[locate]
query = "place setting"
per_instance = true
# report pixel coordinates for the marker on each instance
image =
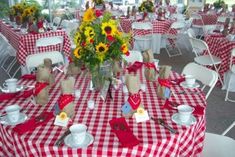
(190, 82)
(13, 115)
(11, 86)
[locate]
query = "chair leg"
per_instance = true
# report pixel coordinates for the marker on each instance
(227, 92)
(229, 128)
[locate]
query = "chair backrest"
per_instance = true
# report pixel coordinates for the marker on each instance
(219, 145)
(34, 60)
(196, 16)
(178, 25)
(231, 65)
(142, 25)
(208, 29)
(64, 23)
(198, 46)
(56, 21)
(133, 56)
(49, 41)
(206, 76)
(191, 33)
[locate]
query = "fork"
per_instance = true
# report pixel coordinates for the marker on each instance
(162, 122)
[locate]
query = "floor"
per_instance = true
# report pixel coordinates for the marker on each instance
(219, 114)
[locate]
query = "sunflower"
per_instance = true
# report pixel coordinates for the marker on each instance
(76, 52)
(89, 32)
(63, 116)
(89, 15)
(77, 38)
(124, 48)
(101, 48)
(108, 28)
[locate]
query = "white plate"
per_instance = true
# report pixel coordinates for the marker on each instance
(88, 140)
(4, 120)
(185, 85)
(18, 88)
(175, 118)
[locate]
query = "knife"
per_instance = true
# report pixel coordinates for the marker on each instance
(61, 139)
(162, 123)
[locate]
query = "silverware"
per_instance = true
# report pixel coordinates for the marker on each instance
(60, 141)
(162, 123)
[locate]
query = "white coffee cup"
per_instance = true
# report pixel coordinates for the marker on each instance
(13, 113)
(91, 104)
(77, 93)
(78, 133)
(185, 112)
(10, 84)
(190, 80)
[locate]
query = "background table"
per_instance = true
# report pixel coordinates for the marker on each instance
(25, 43)
(155, 139)
(208, 19)
(221, 47)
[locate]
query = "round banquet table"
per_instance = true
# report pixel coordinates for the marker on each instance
(160, 27)
(154, 139)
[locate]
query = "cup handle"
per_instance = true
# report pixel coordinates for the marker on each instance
(4, 85)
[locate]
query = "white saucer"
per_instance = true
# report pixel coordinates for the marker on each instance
(185, 85)
(4, 120)
(18, 88)
(88, 140)
(175, 118)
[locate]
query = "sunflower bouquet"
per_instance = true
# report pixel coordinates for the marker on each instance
(99, 41)
(146, 6)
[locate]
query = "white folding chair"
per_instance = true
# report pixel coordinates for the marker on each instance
(232, 71)
(191, 33)
(133, 56)
(197, 17)
(172, 47)
(206, 76)
(64, 23)
(219, 145)
(199, 47)
(142, 42)
(56, 21)
(32, 61)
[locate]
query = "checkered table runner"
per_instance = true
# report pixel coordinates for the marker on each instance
(155, 139)
(25, 43)
(221, 47)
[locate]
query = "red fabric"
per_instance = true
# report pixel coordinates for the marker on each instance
(199, 110)
(65, 100)
(150, 65)
(134, 100)
(169, 105)
(122, 131)
(134, 67)
(164, 82)
(33, 123)
(29, 76)
(39, 86)
(177, 81)
(40, 24)
(7, 96)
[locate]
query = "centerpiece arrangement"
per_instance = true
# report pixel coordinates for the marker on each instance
(22, 12)
(99, 44)
(146, 6)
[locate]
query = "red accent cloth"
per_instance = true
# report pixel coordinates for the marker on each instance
(199, 110)
(33, 123)
(64, 100)
(7, 96)
(134, 67)
(40, 24)
(169, 105)
(177, 81)
(39, 86)
(29, 76)
(150, 65)
(134, 100)
(164, 82)
(122, 131)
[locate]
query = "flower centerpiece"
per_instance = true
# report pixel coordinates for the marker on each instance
(23, 11)
(218, 4)
(99, 44)
(146, 6)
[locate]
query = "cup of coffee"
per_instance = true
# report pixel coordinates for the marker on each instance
(13, 113)
(190, 80)
(185, 112)
(91, 104)
(78, 133)
(10, 84)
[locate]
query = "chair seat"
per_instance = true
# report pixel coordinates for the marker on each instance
(218, 146)
(143, 37)
(197, 26)
(206, 60)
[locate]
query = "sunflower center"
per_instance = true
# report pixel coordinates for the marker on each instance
(108, 29)
(101, 49)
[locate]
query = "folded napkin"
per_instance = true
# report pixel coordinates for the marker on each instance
(29, 77)
(7, 96)
(170, 105)
(124, 134)
(33, 123)
(198, 110)
(177, 81)
(25, 94)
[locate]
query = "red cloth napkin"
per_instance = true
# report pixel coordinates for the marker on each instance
(124, 134)
(7, 96)
(169, 105)
(177, 81)
(29, 76)
(33, 123)
(134, 67)
(198, 110)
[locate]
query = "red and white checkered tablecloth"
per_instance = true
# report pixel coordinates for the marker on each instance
(156, 141)
(208, 19)
(221, 47)
(25, 43)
